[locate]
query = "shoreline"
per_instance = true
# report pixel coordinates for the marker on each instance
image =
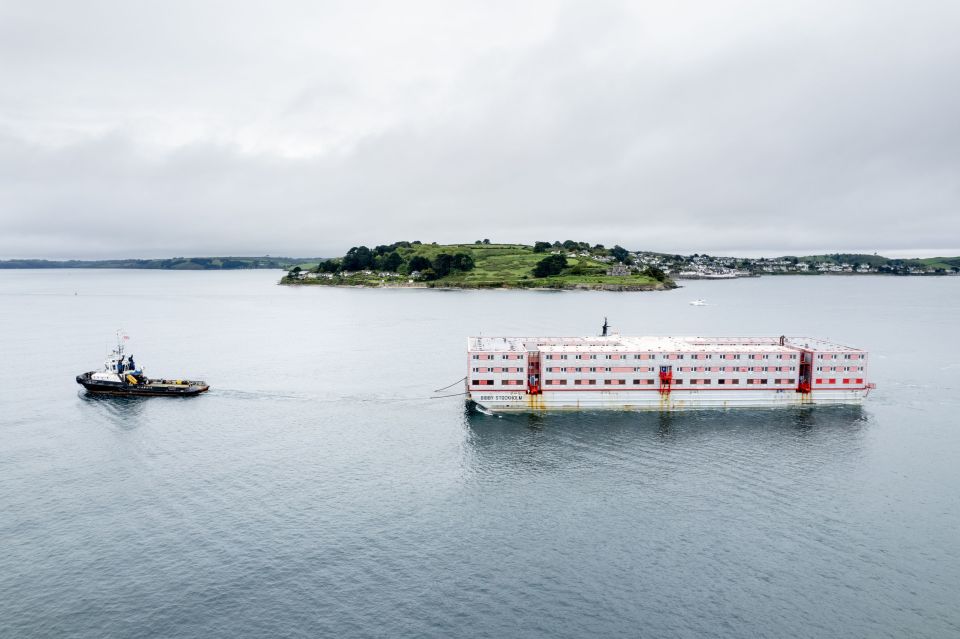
(622, 288)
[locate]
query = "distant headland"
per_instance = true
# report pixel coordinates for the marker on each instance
(170, 264)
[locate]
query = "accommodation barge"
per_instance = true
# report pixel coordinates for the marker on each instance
(661, 373)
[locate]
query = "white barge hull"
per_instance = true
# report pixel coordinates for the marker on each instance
(654, 401)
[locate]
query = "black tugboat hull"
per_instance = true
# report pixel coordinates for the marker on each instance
(149, 388)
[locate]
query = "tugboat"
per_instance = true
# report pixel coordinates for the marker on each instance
(121, 376)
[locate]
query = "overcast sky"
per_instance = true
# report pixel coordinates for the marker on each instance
(135, 129)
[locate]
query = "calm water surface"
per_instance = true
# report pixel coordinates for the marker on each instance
(317, 491)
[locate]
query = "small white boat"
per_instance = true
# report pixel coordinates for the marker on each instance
(698, 303)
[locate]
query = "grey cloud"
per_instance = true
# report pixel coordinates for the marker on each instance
(683, 128)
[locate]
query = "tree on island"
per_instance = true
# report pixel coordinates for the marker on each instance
(358, 258)
(329, 266)
(655, 273)
(550, 265)
(444, 263)
(391, 262)
(462, 262)
(418, 263)
(621, 254)
(541, 247)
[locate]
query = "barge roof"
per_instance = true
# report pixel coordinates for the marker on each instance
(618, 343)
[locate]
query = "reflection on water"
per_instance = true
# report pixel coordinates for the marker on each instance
(123, 412)
(531, 442)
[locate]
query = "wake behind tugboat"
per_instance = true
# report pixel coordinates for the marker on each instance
(121, 376)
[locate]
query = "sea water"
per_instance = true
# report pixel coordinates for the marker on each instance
(321, 490)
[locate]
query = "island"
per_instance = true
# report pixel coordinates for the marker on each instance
(484, 265)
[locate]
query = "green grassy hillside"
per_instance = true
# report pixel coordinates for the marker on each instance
(946, 263)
